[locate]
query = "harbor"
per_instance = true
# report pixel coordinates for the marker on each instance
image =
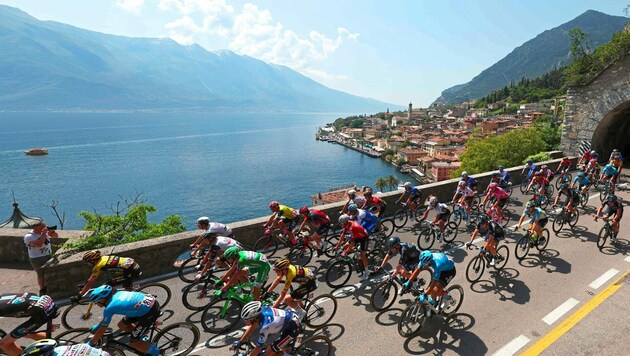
(328, 133)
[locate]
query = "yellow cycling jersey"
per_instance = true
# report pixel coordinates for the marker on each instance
(616, 163)
(298, 275)
(112, 264)
(286, 212)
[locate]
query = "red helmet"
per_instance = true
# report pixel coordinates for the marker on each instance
(274, 205)
(304, 210)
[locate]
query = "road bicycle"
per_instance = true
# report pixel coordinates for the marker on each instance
(524, 184)
(188, 268)
(319, 310)
(459, 214)
(82, 315)
(405, 213)
(565, 217)
(386, 291)
(196, 296)
(341, 270)
(606, 232)
(540, 201)
(317, 345)
(482, 260)
(269, 243)
(530, 240)
(494, 216)
(432, 232)
(563, 177)
(414, 316)
(605, 191)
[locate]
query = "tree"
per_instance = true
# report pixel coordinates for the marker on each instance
(392, 182)
(381, 183)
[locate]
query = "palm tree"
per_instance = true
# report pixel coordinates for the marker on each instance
(392, 182)
(381, 183)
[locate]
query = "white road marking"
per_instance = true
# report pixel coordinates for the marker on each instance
(560, 311)
(512, 347)
(603, 279)
(627, 259)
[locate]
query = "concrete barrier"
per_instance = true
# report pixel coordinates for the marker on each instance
(156, 256)
(13, 250)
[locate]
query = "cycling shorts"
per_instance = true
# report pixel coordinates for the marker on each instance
(304, 289)
(290, 331)
(543, 222)
(362, 243)
(446, 277)
(143, 323)
(444, 216)
(503, 201)
(261, 274)
(128, 276)
(323, 229)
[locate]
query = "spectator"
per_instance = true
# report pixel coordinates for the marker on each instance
(39, 250)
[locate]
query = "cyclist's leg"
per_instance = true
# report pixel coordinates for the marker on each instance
(142, 325)
(261, 278)
(491, 245)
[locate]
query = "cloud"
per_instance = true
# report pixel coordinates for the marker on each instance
(131, 6)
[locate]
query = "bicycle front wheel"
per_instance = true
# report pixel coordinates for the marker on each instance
(266, 245)
(177, 339)
(160, 291)
(426, 238)
(186, 271)
(197, 296)
(456, 293)
(300, 255)
(573, 218)
(332, 241)
(320, 311)
(82, 315)
(338, 274)
(400, 218)
(450, 232)
(384, 295)
(522, 247)
(602, 237)
(221, 315)
(475, 268)
(411, 320)
(315, 346)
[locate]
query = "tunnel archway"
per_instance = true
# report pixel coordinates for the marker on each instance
(613, 131)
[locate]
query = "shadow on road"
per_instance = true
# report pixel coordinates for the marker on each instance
(505, 285)
(439, 335)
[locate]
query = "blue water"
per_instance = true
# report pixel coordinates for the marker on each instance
(226, 166)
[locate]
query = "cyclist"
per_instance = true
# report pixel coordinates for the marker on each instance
(443, 272)
(470, 181)
(466, 196)
(243, 263)
(353, 198)
(366, 219)
(320, 221)
(409, 258)
(271, 321)
(48, 347)
(304, 277)
(115, 265)
(441, 214)
(415, 194)
(613, 207)
(587, 156)
(531, 168)
(573, 197)
(203, 223)
(356, 234)
(217, 246)
(565, 166)
(140, 312)
(542, 181)
(615, 154)
(583, 183)
(618, 164)
(284, 217)
(504, 177)
(537, 222)
(609, 173)
(544, 170)
(375, 204)
(39, 309)
(593, 169)
(501, 198)
(492, 234)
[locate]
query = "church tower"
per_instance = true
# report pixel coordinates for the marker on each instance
(409, 112)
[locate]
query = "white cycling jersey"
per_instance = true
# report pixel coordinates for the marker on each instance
(79, 350)
(466, 191)
(219, 229)
(224, 243)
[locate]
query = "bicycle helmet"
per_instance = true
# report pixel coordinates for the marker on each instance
(530, 161)
(304, 210)
(615, 150)
(274, 205)
(44, 347)
(461, 183)
(433, 200)
(359, 200)
(493, 186)
(483, 219)
(231, 252)
(611, 198)
(580, 174)
(204, 220)
(352, 192)
(368, 193)
(530, 204)
(425, 258)
(593, 152)
(464, 174)
(282, 264)
(99, 293)
(367, 190)
(91, 255)
(564, 186)
(407, 185)
(393, 242)
(251, 310)
(352, 208)
(343, 219)
(501, 167)
(208, 235)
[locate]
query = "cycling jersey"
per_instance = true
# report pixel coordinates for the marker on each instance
(223, 243)
(565, 165)
(375, 201)
(440, 208)
(572, 194)
(609, 171)
(297, 274)
(616, 163)
(79, 350)
(542, 180)
(470, 182)
(616, 156)
(499, 193)
(493, 229)
(317, 218)
(582, 181)
(440, 264)
(113, 264)
(219, 229)
(256, 263)
(505, 176)
(38, 309)
(413, 192)
(128, 304)
(273, 321)
(537, 214)
(465, 191)
(612, 206)
(532, 168)
(409, 254)
(548, 173)
(355, 231)
(286, 212)
(366, 219)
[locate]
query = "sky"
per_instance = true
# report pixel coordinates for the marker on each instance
(396, 51)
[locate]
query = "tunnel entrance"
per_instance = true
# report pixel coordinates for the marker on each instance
(613, 132)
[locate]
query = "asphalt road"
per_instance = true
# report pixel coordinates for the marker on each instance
(504, 313)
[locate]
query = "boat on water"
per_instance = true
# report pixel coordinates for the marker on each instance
(36, 151)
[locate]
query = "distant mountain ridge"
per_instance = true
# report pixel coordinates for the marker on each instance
(47, 65)
(537, 56)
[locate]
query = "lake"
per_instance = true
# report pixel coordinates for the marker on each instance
(223, 165)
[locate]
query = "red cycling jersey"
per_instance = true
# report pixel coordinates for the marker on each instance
(541, 180)
(355, 230)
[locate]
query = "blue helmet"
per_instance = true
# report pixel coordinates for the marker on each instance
(100, 293)
(353, 207)
(425, 258)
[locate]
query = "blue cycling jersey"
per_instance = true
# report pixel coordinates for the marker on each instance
(581, 181)
(505, 176)
(441, 263)
(609, 170)
(533, 168)
(272, 321)
(414, 191)
(131, 304)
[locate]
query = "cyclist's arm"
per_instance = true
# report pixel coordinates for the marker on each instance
(271, 222)
(197, 241)
(454, 196)
(425, 214)
(555, 201)
(232, 272)
(208, 260)
(341, 238)
(474, 235)
(302, 225)
(245, 337)
(520, 221)
(386, 259)
(96, 271)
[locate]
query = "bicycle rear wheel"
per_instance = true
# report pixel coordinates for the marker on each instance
(573, 218)
(338, 274)
(177, 339)
(160, 291)
(300, 255)
(457, 298)
(318, 345)
(320, 311)
(475, 268)
(221, 315)
(523, 186)
(332, 241)
(82, 315)
(411, 320)
(602, 237)
(384, 295)
(266, 245)
(186, 271)
(558, 222)
(387, 227)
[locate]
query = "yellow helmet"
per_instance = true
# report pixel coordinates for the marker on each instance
(91, 255)
(282, 264)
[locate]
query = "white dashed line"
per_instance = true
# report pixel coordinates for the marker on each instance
(512, 347)
(560, 311)
(603, 279)
(627, 259)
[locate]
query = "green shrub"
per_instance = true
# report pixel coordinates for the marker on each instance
(539, 157)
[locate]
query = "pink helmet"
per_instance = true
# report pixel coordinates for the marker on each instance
(492, 186)
(274, 204)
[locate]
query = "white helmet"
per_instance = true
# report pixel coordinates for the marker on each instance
(407, 185)
(359, 200)
(251, 310)
(461, 183)
(352, 192)
(433, 200)
(343, 218)
(203, 220)
(464, 174)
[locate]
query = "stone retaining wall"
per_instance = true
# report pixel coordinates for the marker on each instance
(156, 256)
(13, 250)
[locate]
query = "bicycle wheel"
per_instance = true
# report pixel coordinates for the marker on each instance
(387, 227)
(456, 217)
(543, 201)
(221, 315)
(543, 240)
(400, 218)
(73, 336)
(424, 278)
(450, 232)
(384, 295)
(475, 268)
(583, 199)
(82, 315)
(332, 241)
(523, 186)
(177, 339)
(113, 350)
(522, 247)
(549, 192)
(197, 296)
(509, 190)
(602, 237)
(558, 222)
(457, 298)
(604, 193)
(474, 205)
(375, 257)
(411, 320)
(300, 255)
(426, 239)
(338, 273)
(267, 245)
(160, 291)
(573, 218)
(503, 254)
(186, 271)
(315, 346)
(320, 311)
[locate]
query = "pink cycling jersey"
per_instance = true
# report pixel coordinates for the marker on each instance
(500, 193)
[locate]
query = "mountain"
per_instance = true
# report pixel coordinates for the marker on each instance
(52, 66)
(537, 56)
